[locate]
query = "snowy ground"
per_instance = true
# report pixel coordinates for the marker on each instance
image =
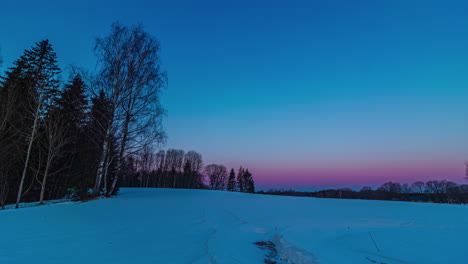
(192, 226)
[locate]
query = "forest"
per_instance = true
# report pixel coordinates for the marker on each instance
(85, 136)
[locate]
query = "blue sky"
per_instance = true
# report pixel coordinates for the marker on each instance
(301, 92)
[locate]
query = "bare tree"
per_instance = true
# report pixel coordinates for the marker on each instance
(217, 175)
(174, 163)
(434, 187)
(406, 188)
(439, 189)
(130, 75)
(56, 138)
(392, 187)
(161, 161)
(418, 187)
(466, 170)
(196, 164)
(145, 163)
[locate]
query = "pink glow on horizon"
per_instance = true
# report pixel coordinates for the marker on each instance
(374, 174)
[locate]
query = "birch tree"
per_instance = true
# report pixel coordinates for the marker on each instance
(56, 138)
(130, 76)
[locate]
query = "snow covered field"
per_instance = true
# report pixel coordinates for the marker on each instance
(196, 226)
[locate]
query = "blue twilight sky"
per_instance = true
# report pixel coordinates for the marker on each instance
(304, 93)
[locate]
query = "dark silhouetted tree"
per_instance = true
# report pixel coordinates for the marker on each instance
(130, 75)
(391, 187)
(418, 187)
(231, 185)
(217, 174)
(40, 72)
(241, 180)
(196, 164)
(249, 182)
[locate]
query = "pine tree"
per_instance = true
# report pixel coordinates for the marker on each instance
(73, 103)
(249, 182)
(40, 72)
(240, 180)
(231, 186)
(92, 126)
(74, 108)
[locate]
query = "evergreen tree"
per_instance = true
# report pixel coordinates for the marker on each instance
(249, 182)
(91, 127)
(231, 185)
(74, 104)
(39, 72)
(240, 180)
(74, 108)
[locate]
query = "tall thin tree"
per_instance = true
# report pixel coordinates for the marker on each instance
(41, 72)
(130, 75)
(231, 185)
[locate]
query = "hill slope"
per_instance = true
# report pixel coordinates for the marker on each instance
(196, 226)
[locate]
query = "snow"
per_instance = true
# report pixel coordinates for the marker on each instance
(198, 226)
(32, 204)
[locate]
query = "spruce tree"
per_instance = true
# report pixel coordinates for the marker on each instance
(231, 185)
(249, 182)
(74, 108)
(40, 75)
(74, 104)
(240, 180)
(91, 129)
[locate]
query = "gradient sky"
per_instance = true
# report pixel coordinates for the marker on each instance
(304, 93)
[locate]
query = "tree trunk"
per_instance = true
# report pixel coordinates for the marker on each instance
(28, 154)
(102, 163)
(44, 180)
(121, 161)
(106, 170)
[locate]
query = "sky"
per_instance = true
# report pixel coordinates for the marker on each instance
(306, 94)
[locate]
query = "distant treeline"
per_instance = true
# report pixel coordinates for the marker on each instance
(430, 191)
(176, 168)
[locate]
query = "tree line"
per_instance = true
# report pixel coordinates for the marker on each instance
(430, 191)
(73, 138)
(86, 136)
(175, 168)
